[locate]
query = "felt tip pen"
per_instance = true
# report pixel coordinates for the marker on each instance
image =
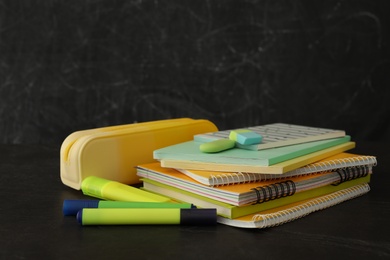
(111, 190)
(71, 207)
(148, 216)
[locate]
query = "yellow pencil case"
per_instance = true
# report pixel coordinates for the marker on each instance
(113, 152)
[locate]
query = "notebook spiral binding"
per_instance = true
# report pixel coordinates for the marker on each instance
(352, 173)
(274, 191)
(236, 178)
(314, 168)
(321, 167)
(287, 215)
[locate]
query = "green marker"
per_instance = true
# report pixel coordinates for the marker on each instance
(147, 216)
(71, 207)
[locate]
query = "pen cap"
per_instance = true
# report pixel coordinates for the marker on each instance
(198, 216)
(71, 207)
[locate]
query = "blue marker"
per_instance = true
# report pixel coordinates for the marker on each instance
(71, 207)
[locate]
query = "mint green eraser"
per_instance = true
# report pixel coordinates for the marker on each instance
(245, 137)
(217, 146)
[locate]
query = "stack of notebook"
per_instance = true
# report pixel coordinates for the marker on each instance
(292, 172)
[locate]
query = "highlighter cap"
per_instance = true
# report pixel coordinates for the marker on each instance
(93, 186)
(71, 207)
(198, 216)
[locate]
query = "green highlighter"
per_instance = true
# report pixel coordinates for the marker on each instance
(147, 216)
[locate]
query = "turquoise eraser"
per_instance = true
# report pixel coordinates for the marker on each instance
(217, 146)
(245, 137)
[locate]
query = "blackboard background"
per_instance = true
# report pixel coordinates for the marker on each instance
(72, 65)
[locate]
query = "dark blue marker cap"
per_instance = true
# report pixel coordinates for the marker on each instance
(71, 207)
(198, 216)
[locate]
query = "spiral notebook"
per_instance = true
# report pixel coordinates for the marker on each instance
(277, 135)
(230, 211)
(247, 193)
(290, 212)
(332, 163)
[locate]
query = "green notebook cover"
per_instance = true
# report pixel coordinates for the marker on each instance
(189, 151)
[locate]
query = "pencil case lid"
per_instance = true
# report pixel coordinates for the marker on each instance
(113, 152)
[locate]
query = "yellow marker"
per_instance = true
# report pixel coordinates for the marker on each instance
(112, 190)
